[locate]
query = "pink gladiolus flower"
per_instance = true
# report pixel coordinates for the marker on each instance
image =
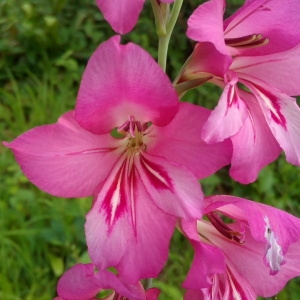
(254, 254)
(132, 145)
(84, 282)
(258, 47)
(122, 15)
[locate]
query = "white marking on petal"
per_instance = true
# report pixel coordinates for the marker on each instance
(235, 294)
(156, 174)
(274, 257)
(116, 198)
(270, 106)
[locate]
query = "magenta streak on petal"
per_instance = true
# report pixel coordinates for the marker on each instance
(274, 106)
(91, 151)
(132, 179)
(114, 202)
(233, 97)
(157, 175)
(236, 291)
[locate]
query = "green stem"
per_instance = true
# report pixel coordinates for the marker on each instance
(164, 30)
(148, 283)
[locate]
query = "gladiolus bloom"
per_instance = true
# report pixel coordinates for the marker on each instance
(132, 145)
(249, 50)
(243, 250)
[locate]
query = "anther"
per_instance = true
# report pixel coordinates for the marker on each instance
(248, 41)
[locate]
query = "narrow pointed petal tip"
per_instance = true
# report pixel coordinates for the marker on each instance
(121, 15)
(121, 81)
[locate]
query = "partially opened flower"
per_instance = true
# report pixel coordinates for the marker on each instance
(135, 148)
(254, 48)
(84, 282)
(122, 15)
(243, 250)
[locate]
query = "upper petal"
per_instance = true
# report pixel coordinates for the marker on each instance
(276, 20)
(122, 81)
(121, 15)
(63, 158)
(180, 142)
(206, 24)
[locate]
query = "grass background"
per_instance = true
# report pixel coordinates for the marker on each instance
(44, 48)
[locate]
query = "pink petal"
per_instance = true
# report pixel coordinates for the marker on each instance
(121, 15)
(173, 188)
(208, 260)
(254, 146)
(148, 249)
(183, 134)
(79, 283)
(214, 63)
(206, 24)
(279, 70)
(121, 81)
(152, 294)
(227, 118)
(276, 20)
(83, 282)
(63, 158)
(283, 117)
(122, 228)
(107, 229)
(194, 295)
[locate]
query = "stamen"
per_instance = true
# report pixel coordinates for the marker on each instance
(224, 229)
(134, 131)
(248, 41)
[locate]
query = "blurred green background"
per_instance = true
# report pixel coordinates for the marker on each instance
(44, 48)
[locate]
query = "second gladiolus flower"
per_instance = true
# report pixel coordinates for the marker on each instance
(254, 57)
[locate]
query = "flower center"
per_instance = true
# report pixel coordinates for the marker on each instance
(134, 132)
